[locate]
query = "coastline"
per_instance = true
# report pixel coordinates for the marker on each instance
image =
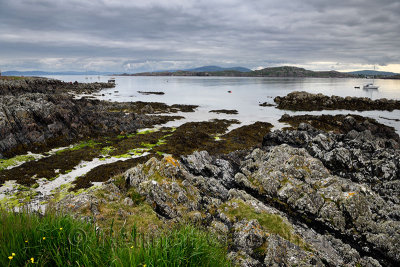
(314, 180)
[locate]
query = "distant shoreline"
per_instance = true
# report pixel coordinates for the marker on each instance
(275, 72)
(214, 71)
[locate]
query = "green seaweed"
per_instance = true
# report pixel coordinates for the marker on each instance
(5, 163)
(107, 150)
(89, 143)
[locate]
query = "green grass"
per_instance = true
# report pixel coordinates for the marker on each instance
(60, 240)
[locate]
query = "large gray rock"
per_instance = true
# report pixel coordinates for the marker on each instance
(301, 184)
(363, 157)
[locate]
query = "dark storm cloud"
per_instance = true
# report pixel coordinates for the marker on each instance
(147, 35)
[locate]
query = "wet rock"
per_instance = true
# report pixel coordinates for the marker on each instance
(39, 114)
(307, 102)
(147, 109)
(225, 111)
(47, 86)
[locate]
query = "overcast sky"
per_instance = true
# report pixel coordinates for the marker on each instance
(132, 36)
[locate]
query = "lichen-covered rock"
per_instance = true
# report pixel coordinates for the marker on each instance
(248, 235)
(201, 163)
(299, 183)
(162, 185)
(240, 258)
(368, 156)
(280, 252)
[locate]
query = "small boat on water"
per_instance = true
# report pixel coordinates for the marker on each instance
(370, 86)
(111, 80)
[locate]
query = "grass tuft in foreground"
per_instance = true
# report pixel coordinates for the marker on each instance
(61, 240)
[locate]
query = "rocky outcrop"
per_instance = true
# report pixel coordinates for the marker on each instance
(308, 102)
(48, 86)
(364, 156)
(39, 114)
(293, 181)
(342, 124)
(279, 207)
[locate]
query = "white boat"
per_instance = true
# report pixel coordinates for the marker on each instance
(370, 86)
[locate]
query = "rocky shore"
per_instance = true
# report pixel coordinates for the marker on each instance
(322, 192)
(306, 197)
(38, 114)
(304, 101)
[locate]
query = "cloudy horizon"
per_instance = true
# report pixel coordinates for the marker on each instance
(135, 36)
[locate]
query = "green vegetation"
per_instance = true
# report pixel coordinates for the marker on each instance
(19, 198)
(89, 143)
(107, 150)
(5, 163)
(59, 240)
(184, 140)
(273, 223)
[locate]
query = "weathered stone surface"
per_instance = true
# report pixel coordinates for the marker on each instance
(248, 235)
(160, 183)
(363, 156)
(201, 163)
(47, 86)
(40, 114)
(296, 182)
(308, 102)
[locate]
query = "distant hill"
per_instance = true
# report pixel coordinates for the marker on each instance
(207, 69)
(217, 68)
(285, 71)
(43, 73)
(289, 71)
(373, 73)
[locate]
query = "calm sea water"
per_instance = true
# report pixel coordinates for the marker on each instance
(246, 94)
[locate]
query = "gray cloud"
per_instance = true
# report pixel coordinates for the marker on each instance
(120, 35)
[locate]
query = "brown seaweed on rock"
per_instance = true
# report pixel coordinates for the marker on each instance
(342, 124)
(304, 101)
(209, 136)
